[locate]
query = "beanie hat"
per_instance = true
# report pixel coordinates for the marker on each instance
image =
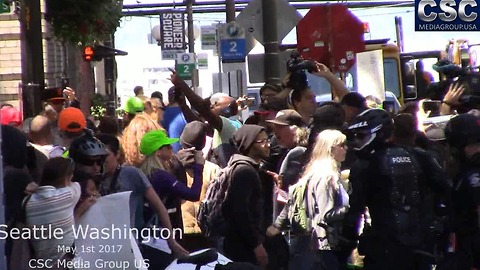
(71, 120)
(246, 136)
(10, 115)
(193, 135)
(153, 140)
(134, 105)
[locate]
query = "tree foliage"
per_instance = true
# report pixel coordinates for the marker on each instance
(83, 21)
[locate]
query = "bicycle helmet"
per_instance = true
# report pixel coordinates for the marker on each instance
(370, 129)
(85, 147)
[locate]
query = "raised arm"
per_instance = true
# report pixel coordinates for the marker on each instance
(197, 102)
(339, 88)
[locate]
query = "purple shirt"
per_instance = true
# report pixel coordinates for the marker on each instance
(165, 184)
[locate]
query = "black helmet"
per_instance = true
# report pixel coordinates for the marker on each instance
(85, 147)
(369, 129)
(463, 130)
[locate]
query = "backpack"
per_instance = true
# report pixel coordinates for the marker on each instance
(210, 218)
(298, 215)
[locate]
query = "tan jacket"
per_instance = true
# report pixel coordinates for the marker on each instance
(190, 209)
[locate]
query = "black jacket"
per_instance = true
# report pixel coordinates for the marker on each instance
(243, 206)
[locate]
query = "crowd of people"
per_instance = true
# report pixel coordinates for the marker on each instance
(337, 185)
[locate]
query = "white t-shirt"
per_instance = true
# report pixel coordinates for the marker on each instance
(53, 206)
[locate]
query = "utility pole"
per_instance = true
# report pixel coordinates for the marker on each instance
(191, 39)
(109, 70)
(270, 37)
(33, 79)
(230, 10)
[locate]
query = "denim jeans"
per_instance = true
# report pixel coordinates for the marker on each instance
(301, 255)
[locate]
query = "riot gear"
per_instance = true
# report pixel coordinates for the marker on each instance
(370, 130)
(463, 130)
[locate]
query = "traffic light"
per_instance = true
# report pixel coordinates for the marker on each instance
(89, 54)
(98, 52)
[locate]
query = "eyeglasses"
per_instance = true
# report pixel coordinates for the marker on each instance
(264, 141)
(91, 162)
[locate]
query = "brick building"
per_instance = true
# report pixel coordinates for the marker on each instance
(11, 57)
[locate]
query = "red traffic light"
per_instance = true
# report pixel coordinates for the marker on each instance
(88, 53)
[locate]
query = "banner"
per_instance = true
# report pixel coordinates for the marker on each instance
(172, 31)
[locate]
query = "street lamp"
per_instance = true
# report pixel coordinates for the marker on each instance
(156, 33)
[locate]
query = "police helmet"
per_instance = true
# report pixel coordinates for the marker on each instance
(369, 128)
(463, 130)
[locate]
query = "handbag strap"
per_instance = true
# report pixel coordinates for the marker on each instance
(23, 219)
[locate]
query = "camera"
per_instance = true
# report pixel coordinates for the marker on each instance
(296, 67)
(464, 76)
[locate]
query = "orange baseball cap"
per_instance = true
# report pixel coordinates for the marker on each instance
(71, 120)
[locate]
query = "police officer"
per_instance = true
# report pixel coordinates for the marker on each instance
(390, 181)
(463, 137)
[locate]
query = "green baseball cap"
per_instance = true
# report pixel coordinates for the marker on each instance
(134, 105)
(153, 140)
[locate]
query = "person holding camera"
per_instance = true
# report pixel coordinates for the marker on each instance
(301, 98)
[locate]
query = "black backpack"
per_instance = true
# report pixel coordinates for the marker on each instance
(210, 218)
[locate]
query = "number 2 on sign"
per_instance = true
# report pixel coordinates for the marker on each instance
(186, 69)
(233, 46)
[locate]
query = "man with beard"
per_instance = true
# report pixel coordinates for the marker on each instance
(243, 205)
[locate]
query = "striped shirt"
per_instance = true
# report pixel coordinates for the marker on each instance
(53, 206)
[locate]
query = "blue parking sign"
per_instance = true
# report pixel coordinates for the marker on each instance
(233, 50)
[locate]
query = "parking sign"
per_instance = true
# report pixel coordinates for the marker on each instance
(232, 43)
(185, 65)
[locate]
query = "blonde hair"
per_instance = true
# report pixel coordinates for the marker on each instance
(151, 163)
(301, 134)
(322, 159)
(132, 136)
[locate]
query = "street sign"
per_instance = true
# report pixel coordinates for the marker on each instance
(251, 18)
(172, 34)
(232, 43)
(332, 35)
(202, 59)
(185, 65)
(209, 37)
(4, 8)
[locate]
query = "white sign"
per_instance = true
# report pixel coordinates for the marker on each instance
(370, 77)
(186, 58)
(209, 36)
(202, 60)
(103, 239)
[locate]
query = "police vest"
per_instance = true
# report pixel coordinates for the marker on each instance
(399, 172)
